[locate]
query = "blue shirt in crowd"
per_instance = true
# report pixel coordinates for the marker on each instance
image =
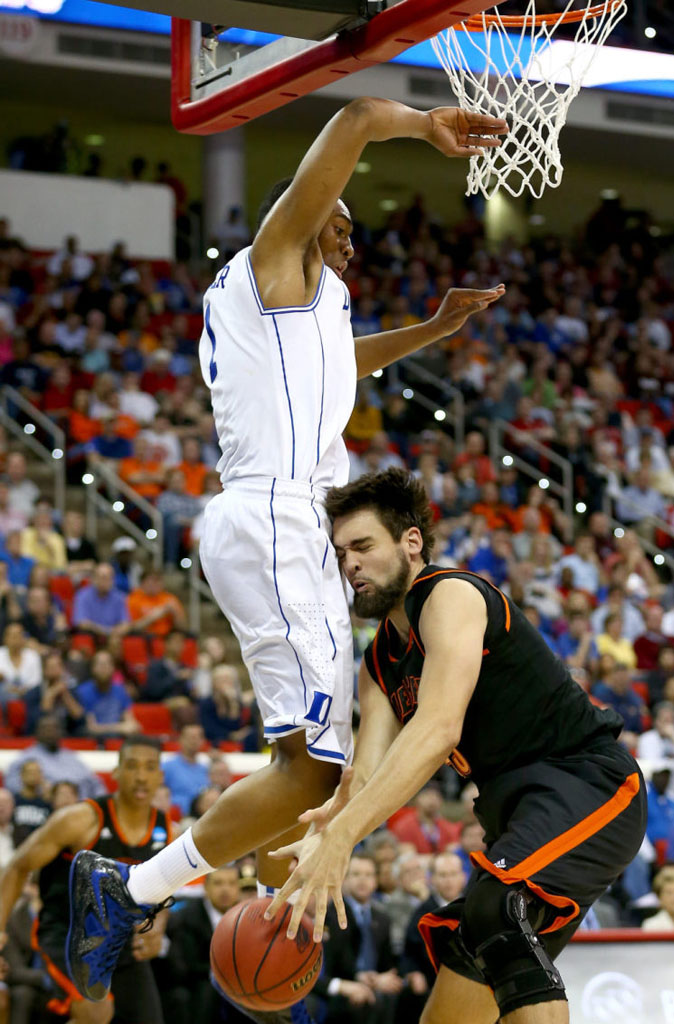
(628, 705)
(18, 569)
(185, 779)
(107, 706)
(106, 610)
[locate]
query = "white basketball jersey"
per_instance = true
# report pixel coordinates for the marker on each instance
(282, 380)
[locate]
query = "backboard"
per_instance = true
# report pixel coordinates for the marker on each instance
(211, 95)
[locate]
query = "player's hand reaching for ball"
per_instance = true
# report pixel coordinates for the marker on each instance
(322, 861)
(457, 132)
(461, 303)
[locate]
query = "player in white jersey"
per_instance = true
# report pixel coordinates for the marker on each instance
(280, 359)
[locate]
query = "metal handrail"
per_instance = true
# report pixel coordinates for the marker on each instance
(101, 472)
(455, 406)
(497, 449)
(646, 544)
(54, 458)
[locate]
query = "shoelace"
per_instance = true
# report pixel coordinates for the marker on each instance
(152, 913)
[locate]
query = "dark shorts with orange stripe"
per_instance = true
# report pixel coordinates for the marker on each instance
(564, 828)
(133, 986)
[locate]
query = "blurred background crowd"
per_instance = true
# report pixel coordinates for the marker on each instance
(572, 374)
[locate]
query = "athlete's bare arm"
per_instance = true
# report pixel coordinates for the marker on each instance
(71, 828)
(285, 254)
(452, 626)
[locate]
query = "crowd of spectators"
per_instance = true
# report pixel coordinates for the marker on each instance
(577, 357)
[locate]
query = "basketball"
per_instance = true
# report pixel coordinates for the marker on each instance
(256, 965)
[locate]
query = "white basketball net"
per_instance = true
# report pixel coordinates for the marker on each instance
(531, 80)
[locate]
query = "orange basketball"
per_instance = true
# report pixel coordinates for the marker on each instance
(256, 965)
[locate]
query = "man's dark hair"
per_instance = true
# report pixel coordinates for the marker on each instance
(140, 741)
(397, 498)
(274, 193)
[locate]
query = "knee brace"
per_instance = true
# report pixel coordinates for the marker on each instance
(496, 930)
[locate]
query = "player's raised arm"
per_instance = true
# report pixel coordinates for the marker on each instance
(302, 211)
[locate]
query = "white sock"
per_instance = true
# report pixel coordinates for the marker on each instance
(174, 866)
(269, 890)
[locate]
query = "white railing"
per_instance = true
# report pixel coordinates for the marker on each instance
(499, 450)
(105, 494)
(451, 402)
(54, 457)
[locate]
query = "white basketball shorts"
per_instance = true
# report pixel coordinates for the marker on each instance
(268, 559)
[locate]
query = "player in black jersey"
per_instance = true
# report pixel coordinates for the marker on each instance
(125, 827)
(457, 672)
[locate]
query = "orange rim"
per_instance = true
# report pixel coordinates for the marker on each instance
(478, 21)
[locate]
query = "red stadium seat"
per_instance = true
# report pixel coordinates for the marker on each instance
(113, 743)
(231, 746)
(154, 719)
(16, 742)
(15, 717)
(157, 646)
(190, 655)
(63, 588)
(108, 780)
(83, 642)
(135, 656)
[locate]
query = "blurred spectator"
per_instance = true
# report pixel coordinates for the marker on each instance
(411, 887)
(193, 469)
(27, 377)
(19, 566)
(384, 849)
(28, 981)
(424, 826)
(20, 665)
(158, 379)
(144, 474)
(125, 566)
(495, 561)
(470, 840)
(78, 263)
(577, 646)
(163, 443)
(639, 502)
(10, 518)
(6, 826)
(64, 794)
(57, 763)
(41, 542)
(54, 697)
(648, 644)
(613, 642)
(178, 511)
(30, 807)
(152, 609)
(474, 454)
(184, 774)
(663, 887)
(657, 677)
(660, 827)
(359, 981)
(658, 743)
(224, 715)
(584, 564)
(99, 607)
(107, 706)
(139, 405)
(23, 493)
(168, 679)
(616, 692)
(366, 419)
(80, 552)
(447, 881)
(617, 602)
(44, 625)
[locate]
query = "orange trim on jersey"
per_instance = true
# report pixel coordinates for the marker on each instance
(485, 652)
(446, 572)
(118, 828)
(380, 678)
(417, 641)
(560, 845)
(99, 812)
(426, 925)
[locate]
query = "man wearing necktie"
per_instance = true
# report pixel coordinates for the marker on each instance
(359, 983)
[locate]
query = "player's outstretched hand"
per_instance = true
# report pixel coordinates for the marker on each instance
(461, 303)
(319, 817)
(322, 861)
(457, 132)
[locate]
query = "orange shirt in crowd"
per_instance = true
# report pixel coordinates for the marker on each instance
(130, 466)
(126, 426)
(81, 428)
(141, 604)
(195, 474)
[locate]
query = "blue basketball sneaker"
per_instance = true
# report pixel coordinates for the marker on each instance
(103, 916)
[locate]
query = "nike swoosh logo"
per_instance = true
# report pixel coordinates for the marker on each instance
(192, 864)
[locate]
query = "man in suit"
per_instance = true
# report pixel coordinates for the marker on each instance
(359, 983)
(186, 988)
(448, 879)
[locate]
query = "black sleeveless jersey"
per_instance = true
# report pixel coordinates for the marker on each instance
(110, 842)
(525, 706)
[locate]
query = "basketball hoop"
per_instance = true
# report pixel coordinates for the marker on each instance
(528, 77)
